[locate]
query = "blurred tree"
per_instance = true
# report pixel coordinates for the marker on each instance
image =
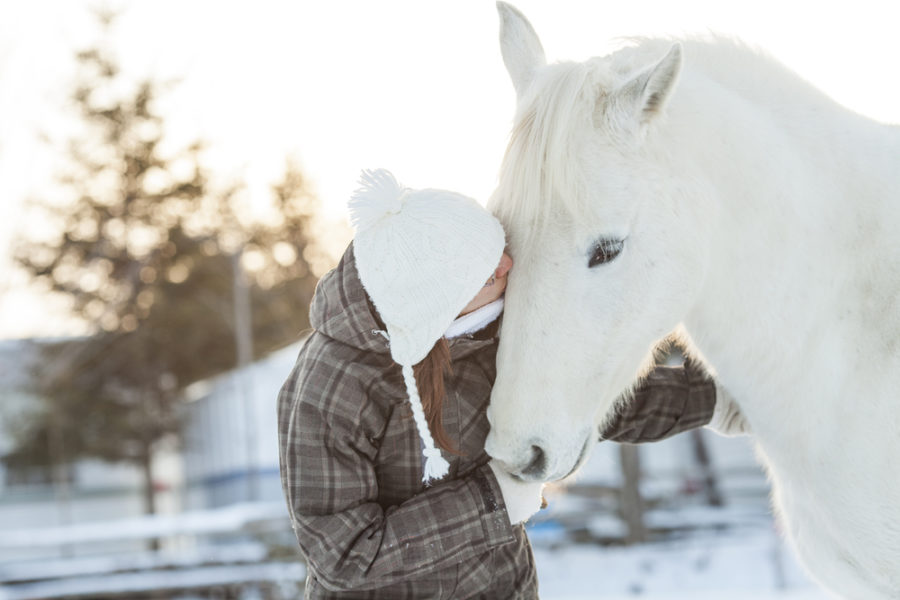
(155, 261)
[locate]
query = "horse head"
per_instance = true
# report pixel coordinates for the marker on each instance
(608, 246)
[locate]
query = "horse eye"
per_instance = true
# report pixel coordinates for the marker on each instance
(605, 251)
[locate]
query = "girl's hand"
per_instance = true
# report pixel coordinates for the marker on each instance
(522, 498)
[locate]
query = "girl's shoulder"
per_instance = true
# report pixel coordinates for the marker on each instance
(335, 378)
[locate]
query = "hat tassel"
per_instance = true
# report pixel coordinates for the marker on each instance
(436, 466)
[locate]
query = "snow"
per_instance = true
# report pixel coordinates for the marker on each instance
(730, 565)
(44, 568)
(735, 564)
(125, 583)
(227, 519)
(734, 552)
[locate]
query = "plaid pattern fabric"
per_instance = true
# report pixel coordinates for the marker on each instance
(669, 400)
(351, 467)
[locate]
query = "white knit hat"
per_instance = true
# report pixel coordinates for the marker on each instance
(422, 255)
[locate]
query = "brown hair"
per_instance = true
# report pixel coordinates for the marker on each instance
(429, 375)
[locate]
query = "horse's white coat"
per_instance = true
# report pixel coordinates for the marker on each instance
(762, 221)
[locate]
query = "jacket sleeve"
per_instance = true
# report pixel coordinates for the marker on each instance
(329, 480)
(669, 400)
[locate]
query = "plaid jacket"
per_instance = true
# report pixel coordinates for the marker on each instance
(667, 401)
(351, 464)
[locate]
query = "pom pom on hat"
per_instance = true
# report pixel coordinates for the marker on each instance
(422, 255)
(379, 195)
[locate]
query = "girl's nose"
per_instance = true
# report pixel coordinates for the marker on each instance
(506, 263)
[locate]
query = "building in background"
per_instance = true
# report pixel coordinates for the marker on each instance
(230, 449)
(229, 452)
(43, 496)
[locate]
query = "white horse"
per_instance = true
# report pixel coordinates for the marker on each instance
(731, 200)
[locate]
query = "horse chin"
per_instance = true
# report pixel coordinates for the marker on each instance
(579, 462)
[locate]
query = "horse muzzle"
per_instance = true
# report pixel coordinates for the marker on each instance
(533, 462)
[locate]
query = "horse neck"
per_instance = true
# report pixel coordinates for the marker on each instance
(795, 195)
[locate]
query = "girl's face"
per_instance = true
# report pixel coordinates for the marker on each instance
(494, 287)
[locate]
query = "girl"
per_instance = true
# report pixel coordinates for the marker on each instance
(390, 492)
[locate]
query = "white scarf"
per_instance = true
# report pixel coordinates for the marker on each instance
(476, 320)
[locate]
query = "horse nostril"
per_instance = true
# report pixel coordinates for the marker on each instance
(538, 463)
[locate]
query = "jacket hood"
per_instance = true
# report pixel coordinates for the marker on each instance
(342, 311)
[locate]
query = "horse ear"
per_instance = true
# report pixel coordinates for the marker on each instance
(519, 44)
(647, 93)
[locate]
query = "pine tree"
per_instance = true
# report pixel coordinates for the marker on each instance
(153, 259)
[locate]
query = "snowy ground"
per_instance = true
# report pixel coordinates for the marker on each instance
(732, 567)
(730, 553)
(733, 552)
(725, 566)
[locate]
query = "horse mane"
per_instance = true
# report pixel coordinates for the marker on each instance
(539, 163)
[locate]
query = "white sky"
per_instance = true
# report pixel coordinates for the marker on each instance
(416, 86)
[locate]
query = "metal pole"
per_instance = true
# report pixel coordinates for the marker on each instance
(60, 473)
(243, 338)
